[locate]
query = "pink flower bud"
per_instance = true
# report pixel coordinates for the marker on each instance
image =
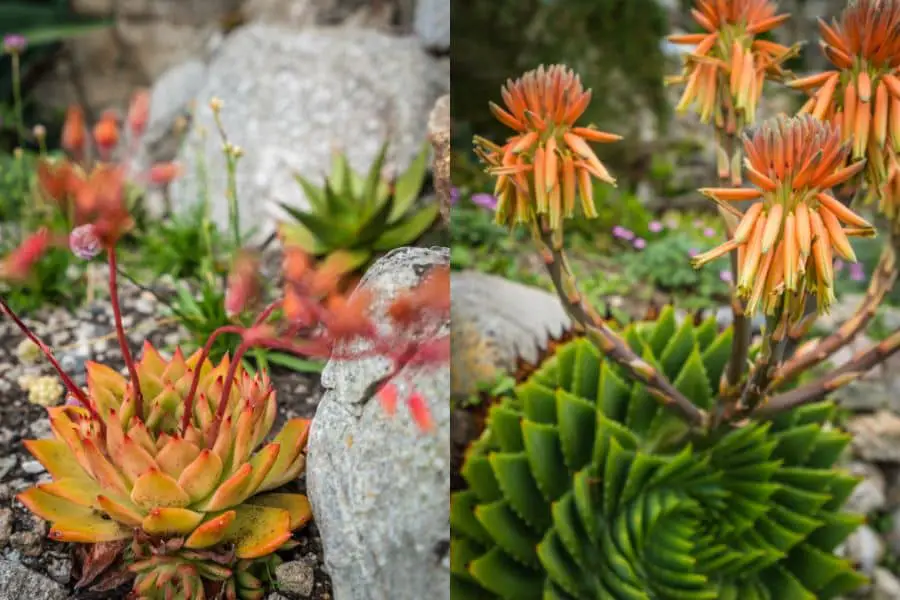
(84, 242)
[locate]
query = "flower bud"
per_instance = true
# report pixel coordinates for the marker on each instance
(106, 131)
(84, 243)
(139, 113)
(73, 133)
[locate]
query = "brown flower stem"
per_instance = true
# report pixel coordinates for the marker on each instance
(226, 392)
(740, 347)
(195, 380)
(817, 390)
(606, 340)
(882, 282)
(120, 333)
(70, 385)
(770, 357)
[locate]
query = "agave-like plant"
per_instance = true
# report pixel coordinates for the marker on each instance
(360, 215)
(584, 486)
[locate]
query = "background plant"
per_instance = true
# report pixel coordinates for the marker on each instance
(361, 216)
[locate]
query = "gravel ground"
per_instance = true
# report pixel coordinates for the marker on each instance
(88, 334)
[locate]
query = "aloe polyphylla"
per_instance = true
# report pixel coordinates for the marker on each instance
(583, 486)
(664, 459)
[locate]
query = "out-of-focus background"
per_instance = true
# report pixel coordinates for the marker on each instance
(634, 258)
(298, 78)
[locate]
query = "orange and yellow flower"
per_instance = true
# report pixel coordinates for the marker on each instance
(548, 163)
(787, 239)
(725, 73)
(862, 93)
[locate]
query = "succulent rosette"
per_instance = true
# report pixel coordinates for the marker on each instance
(163, 474)
(861, 94)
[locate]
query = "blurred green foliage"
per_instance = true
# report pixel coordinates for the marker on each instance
(44, 24)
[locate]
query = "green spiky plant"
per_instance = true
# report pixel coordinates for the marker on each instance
(360, 216)
(668, 460)
(585, 486)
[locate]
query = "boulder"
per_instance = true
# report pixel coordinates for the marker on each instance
(496, 323)
(377, 484)
(18, 581)
(290, 98)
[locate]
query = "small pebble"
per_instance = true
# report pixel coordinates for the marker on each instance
(6, 518)
(32, 467)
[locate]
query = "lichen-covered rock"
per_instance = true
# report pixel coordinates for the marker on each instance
(18, 581)
(432, 24)
(876, 437)
(496, 323)
(377, 484)
(439, 134)
(290, 98)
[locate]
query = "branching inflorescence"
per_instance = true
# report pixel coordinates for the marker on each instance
(567, 486)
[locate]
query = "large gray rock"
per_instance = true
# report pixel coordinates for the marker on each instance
(498, 322)
(18, 581)
(292, 97)
(377, 485)
(432, 24)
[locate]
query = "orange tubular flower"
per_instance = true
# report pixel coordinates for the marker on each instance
(724, 75)
(786, 241)
(548, 162)
(862, 93)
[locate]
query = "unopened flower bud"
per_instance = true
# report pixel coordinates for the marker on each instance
(139, 113)
(13, 43)
(106, 131)
(73, 133)
(164, 173)
(84, 242)
(40, 132)
(216, 104)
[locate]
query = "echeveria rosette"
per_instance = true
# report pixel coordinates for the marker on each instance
(114, 473)
(583, 486)
(165, 570)
(787, 239)
(548, 164)
(725, 73)
(861, 94)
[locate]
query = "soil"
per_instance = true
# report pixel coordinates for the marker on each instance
(85, 335)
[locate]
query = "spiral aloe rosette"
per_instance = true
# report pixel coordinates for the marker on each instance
(118, 473)
(583, 487)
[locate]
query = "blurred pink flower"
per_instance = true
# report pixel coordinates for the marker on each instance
(725, 275)
(655, 226)
(640, 243)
